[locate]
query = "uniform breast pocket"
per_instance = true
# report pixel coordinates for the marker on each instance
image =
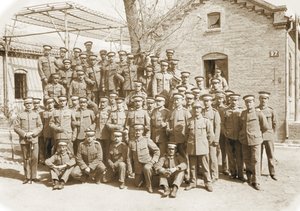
(144, 151)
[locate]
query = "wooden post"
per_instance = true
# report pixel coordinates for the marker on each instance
(297, 102)
(67, 40)
(5, 72)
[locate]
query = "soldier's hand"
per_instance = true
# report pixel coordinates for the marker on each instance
(87, 170)
(215, 144)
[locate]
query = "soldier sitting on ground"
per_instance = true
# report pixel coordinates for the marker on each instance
(61, 165)
(89, 159)
(171, 169)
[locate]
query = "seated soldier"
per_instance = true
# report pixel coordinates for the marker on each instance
(171, 170)
(117, 159)
(61, 165)
(89, 159)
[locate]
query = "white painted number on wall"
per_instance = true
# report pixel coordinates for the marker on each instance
(274, 53)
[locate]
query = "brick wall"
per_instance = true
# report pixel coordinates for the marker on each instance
(246, 38)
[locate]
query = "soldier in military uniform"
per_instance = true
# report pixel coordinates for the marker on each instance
(61, 165)
(95, 75)
(138, 91)
(253, 124)
(67, 75)
(162, 81)
(47, 131)
(54, 89)
(84, 63)
(74, 106)
(85, 118)
(137, 116)
(139, 151)
(169, 55)
(197, 94)
(78, 87)
(269, 135)
(150, 105)
(200, 84)
(89, 159)
(129, 73)
(75, 60)
(200, 136)
(28, 126)
(174, 68)
(59, 64)
(103, 59)
(117, 159)
(230, 124)
(46, 66)
(213, 115)
(88, 50)
(155, 64)
(147, 81)
(61, 123)
(218, 75)
(190, 99)
(171, 167)
(159, 120)
(221, 150)
(185, 80)
(178, 122)
(227, 94)
(111, 79)
(117, 118)
(112, 100)
(215, 86)
(102, 132)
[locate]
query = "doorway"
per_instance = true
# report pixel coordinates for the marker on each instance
(213, 60)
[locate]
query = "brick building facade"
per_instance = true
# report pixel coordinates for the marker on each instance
(245, 38)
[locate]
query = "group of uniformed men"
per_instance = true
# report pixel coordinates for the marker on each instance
(104, 119)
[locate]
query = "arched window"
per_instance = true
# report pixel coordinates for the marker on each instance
(214, 20)
(20, 84)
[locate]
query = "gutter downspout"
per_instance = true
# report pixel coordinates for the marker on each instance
(287, 82)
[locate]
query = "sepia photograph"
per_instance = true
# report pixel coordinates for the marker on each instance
(150, 105)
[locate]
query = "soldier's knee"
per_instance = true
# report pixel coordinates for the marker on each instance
(122, 165)
(147, 167)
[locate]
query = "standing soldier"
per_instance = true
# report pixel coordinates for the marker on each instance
(75, 60)
(200, 84)
(103, 59)
(221, 150)
(190, 99)
(138, 91)
(88, 49)
(129, 72)
(112, 100)
(227, 94)
(59, 64)
(61, 124)
(185, 80)
(171, 167)
(218, 75)
(174, 68)
(178, 122)
(117, 118)
(94, 73)
(111, 79)
(213, 115)
(85, 119)
(28, 126)
(61, 165)
(269, 135)
(47, 131)
(253, 124)
(74, 103)
(150, 105)
(54, 89)
(66, 75)
(197, 94)
(78, 87)
(102, 133)
(84, 63)
(89, 159)
(37, 108)
(169, 55)
(139, 151)
(159, 121)
(46, 66)
(200, 135)
(230, 125)
(162, 81)
(155, 64)
(117, 158)
(147, 81)
(137, 116)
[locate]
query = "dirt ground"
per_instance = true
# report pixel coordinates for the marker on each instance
(227, 195)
